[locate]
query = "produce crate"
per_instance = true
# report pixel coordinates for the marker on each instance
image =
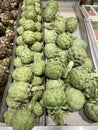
(66, 9)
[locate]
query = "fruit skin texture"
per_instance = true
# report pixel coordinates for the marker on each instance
(8, 116)
(38, 109)
(88, 64)
(75, 99)
(20, 30)
(59, 26)
(80, 43)
(54, 97)
(65, 40)
(23, 73)
(20, 119)
(55, 84)
(17, 62)
(71, 24)
(37, 80)
(79, 78)
(19, 91)
(25, 54)
(91, 110)
(28, 37)
(50, 10)
(30, 14)
(51, 50)
(19, 40)
(53, 69)
(29, 25)
(12, 103)
(50, 36)
(37, 47)
(77, 55)
(38, 67)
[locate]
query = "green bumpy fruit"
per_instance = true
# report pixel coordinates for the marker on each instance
(71, 24)
(28, 37)
(54, 97)
(65, 40)
(91, 110)
(75, 99)
(53, 69)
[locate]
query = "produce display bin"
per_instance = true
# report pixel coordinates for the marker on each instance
(96, 8)
(91, 15)
(94, 29)
(7, 36)
(88, 11)
(90, 21)
(3, 106)
(75, 120)
(92, 44)
(40, 121)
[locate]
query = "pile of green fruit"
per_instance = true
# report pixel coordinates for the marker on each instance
(8, 16)
(71, 82)
(25, 92)
(53, 71)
